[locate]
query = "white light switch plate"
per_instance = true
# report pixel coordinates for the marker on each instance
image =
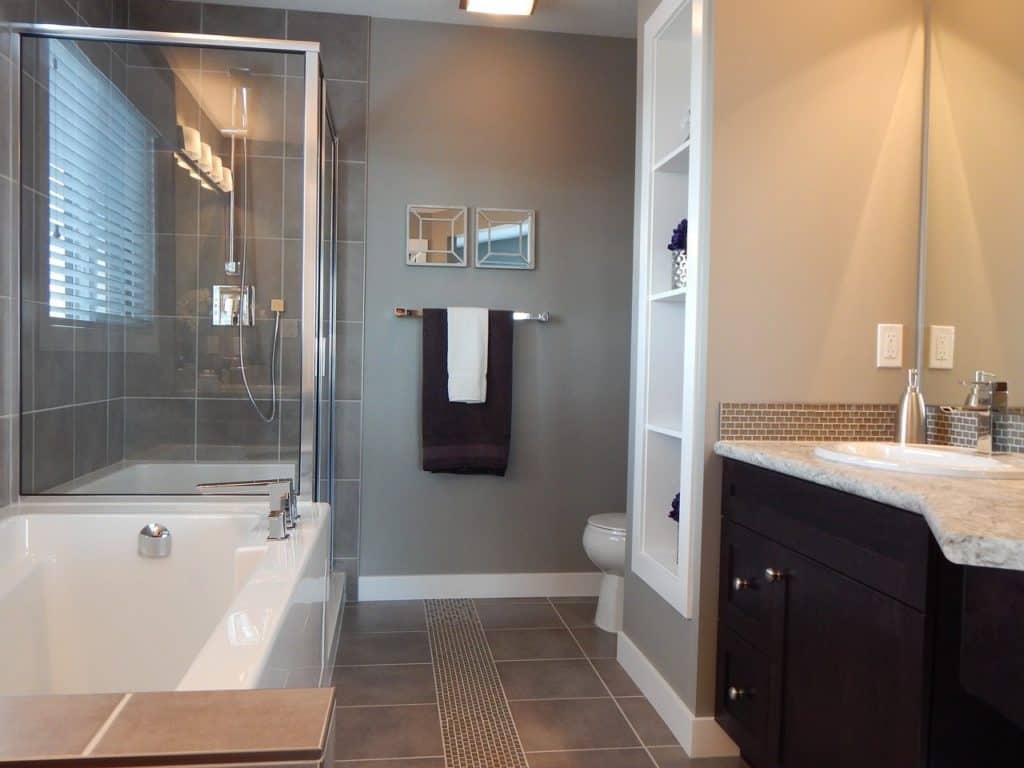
(941, 340)
(890, 345)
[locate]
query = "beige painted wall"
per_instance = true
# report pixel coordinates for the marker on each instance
(974, 268)
(814, 220)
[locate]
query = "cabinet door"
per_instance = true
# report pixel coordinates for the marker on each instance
(854, 692)
(749, 676)
(747, 700)
(750, 603)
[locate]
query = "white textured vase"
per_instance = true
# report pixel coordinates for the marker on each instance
(679, 267)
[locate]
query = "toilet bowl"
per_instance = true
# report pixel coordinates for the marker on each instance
(604, 541)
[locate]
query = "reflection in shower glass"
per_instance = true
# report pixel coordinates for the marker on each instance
(150, 175)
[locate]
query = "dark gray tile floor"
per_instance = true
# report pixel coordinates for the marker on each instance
(572, 704)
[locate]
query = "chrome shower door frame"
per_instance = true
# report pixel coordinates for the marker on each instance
(313, 77)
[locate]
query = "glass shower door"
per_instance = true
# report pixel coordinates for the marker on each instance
(326, 301)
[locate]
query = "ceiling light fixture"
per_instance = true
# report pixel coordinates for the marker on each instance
(499, 7)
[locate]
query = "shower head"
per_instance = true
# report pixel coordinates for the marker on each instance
(239, 102)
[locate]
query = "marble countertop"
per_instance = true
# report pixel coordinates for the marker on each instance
(977, 522)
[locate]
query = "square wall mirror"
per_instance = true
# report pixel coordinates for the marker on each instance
(436, 236)
(504, 238)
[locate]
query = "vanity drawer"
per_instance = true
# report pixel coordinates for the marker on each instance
(748, 698)
(885, 548)
(752, 605)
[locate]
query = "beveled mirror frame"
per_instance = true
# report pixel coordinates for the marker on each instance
(481, 254)
(462, 211)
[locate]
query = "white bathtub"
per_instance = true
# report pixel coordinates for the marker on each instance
(81, 611)
(169, 477)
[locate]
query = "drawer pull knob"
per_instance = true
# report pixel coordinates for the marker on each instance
(738, 584)
(735, 694)
(774, 574)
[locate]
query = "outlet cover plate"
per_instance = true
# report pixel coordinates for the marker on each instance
(941, 340)
(890, 345)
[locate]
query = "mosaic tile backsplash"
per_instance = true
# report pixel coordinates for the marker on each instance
(806, 421)
(860, 421)
(960, 429)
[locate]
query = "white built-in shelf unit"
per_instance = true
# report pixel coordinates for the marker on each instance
(668, 456)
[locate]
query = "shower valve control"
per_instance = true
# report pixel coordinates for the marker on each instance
(234, 305)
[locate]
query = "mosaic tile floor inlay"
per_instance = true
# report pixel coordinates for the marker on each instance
(476, 723)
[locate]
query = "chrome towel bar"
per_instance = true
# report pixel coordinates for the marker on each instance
(540, 317)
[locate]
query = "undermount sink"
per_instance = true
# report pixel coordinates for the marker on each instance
(921, 460)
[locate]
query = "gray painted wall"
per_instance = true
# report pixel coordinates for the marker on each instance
(483, 117)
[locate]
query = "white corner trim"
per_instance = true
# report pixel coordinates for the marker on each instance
(699, 736)
(452, 585)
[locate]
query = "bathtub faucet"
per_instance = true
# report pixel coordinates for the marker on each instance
(280, 494)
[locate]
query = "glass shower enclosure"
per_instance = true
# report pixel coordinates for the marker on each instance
(178, 254)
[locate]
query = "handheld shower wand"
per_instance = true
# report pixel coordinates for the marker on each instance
(240, 130)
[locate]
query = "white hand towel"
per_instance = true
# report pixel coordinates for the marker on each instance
(467, 354)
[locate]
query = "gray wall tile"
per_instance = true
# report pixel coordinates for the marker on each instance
(230, 430)
(5, 460)
(6, 223)
(265, 213)
(349, 380)
(351, 269)
(52, 342)
(54, 447)
(176, 275)
(346, 518)
(220, 371)
(26, 450)
(165, 15)
(116, 357)
(292, 198)
(18, 10)
(91, 361)
(115, 430)
(90, 438)
(160, 357)
(350, 567)
(243, 21)
(159, 429)
(347, 448)
(8, 358)
(6, 75)
(346, 41)
(96, 13)
(56, 12)
(352, 202)
(348, 106)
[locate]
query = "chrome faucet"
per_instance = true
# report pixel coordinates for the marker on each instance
(283, 509)
(985, 396)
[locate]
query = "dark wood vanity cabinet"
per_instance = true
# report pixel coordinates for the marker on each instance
(829, 643)
(820, 665)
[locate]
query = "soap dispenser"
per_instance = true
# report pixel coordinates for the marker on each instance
(910, 419)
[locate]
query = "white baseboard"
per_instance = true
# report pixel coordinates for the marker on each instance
(451, 585)
(699, 736)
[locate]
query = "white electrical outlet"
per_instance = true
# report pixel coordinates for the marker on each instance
(940, 346)
(890, 345)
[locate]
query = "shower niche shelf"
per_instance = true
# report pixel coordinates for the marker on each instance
(668, 446)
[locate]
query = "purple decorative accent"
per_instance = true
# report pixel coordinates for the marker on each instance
(678, 242)
(674, 512)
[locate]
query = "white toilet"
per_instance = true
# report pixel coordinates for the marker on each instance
(604, 541)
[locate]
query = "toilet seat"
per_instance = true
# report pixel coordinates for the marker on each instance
(613, 522)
